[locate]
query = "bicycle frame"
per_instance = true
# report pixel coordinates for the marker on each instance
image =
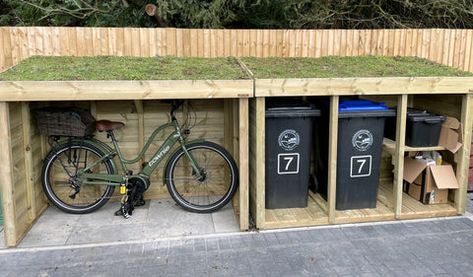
(149, 168)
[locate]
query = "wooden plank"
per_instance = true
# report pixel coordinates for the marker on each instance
(124, 90)
(259, 161)
(15, 36)
(468, 50)
(414, 209)
(159, 42)
(390, 147)
(399, 153)
(145, 43)
(171, 41)
(332, 158)
(244, 163)
(6, 178)
(253, 43)
(6, 59)
(363, 86)
(463, 155)
(382, 212)
(315, 214)
(470, 61)
(29, 174)
(275, 37)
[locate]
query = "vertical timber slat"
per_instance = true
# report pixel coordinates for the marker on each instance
(244, 163)
(30, 188)
(332, 158)
(464, 153)
(399, 153)
(260, 161)
(6, 177)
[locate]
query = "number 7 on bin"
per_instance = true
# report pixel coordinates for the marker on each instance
(360, 166)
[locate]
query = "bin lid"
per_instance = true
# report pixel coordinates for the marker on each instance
(290, 108)
(417, 115)
(363, 108)
(416, 112)
(427, 118)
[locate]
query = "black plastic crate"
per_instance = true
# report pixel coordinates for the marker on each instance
(422, 128)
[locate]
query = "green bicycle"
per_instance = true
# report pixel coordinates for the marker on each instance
(79, 174)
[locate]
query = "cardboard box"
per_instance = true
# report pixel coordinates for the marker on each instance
(451, 134)
(428, 183)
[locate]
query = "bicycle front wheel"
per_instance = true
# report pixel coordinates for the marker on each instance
(217, 183)
(59, 177)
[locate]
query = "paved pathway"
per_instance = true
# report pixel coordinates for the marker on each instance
(409, 248)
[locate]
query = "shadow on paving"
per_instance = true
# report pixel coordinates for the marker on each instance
(408, 248)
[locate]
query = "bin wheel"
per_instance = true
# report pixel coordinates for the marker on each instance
(313, 183)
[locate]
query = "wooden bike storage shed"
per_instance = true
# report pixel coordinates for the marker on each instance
(221, 108)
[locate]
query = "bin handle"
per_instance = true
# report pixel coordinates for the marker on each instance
(432, 120)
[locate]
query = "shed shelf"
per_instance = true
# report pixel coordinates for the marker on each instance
(390, 147)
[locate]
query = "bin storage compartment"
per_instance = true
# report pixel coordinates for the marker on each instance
(360, 138)
(422, 128)
(289, 128)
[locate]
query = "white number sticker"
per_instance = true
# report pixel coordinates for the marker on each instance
(360, 166)
(288, 163)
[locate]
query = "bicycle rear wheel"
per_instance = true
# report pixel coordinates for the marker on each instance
(209, 193)
(61, 185)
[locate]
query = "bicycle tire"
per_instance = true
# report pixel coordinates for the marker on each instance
(180, 199)
(46, 177)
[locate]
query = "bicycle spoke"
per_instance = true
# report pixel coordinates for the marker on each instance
(62, 186)
(211, 188)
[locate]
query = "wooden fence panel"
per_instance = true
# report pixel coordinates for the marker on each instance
(452, 47)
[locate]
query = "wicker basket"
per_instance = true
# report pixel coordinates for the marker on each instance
(69, 122)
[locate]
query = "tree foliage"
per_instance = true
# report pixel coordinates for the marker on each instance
(112, 13)
(242, 13)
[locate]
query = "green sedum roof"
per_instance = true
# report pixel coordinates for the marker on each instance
(124, 68)
(362, 66)
(173, 68)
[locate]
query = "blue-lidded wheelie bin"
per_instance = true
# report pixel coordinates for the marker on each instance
(360, 143)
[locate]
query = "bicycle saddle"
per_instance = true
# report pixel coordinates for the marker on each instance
(107, 125)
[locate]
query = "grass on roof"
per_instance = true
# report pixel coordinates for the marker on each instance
(124, 68)
(363, 66)
(172, 68)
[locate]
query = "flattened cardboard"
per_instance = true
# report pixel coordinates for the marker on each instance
(444, 177)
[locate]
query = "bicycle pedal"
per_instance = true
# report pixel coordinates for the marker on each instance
(119, 212)
(140, 203)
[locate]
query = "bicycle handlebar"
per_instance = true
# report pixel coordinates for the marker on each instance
(175, 105)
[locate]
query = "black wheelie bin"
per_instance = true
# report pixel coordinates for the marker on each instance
(360, 142)
(289, 140)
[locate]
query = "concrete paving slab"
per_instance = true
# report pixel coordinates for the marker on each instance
(225, 220)
(165, 218)
(157, 219)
